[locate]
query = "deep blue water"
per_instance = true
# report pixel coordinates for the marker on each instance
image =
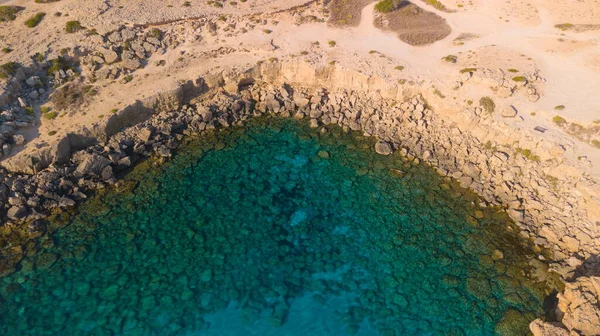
(277, 229)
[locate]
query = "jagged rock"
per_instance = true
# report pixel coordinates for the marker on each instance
(18, 139)
(541, 328)
(580, 305)
(107, 173)
(115, 37)
(109, 55)
(17, 212)
(33, 81)
(127, 34)
(383, 148)
(92, 164)
(66, 202)
(508, 112)
(504, 92)
(131, 64)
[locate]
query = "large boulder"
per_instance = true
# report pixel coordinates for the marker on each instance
(580, 305)
(383, 148)
(92, 164)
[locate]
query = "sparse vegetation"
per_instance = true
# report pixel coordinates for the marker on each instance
(45, 109)
(450, 58)
(399, 68)
(187, 4)
(437, 5)
(73, 27)
(564, 26)
(560, 121)
(559, 107)
(35, 20)
(58, 64)
(386, 6)
(8, 69)
(488, 104)
(402, 81)
(519, 79)
(332, 43)
(332, 63)
(69, 96)
(156, 33)
(595, 143)
(552, 181)
(50, 115)
(438, 93)
(9, 13)
(527, 154)
(371, 52)
(513, 70)
(267, 31)
(29, 110)
(128, 78)
(466, 70)
(51, 133)
(113, 111)
(39, 57)
(6, 50)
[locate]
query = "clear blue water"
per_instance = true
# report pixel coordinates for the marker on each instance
(276, 229)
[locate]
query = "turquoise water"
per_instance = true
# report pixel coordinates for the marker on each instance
(276, 229)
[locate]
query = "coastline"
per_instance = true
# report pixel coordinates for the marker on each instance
(546, 180)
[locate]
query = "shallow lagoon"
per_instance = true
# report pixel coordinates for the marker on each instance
(277, 229)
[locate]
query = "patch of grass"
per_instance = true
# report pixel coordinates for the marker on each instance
(9, 13)
(371, 52)
(91, 32)
(469, 102)
(156, 33)
(399, 68)
(50, 115)
(35, 20)
(528, 154)
(51, 133)
(595, 143)
(29, 110)
(332, 43)
(436, 4)
(560, 121)
(45, 1)
(552, 181)
(128, 78)
(6, 50)
(45, 109)
(8, 69)
(466, 70)
(559, 107)
(304, 53)
(267, 31)
(73, 27)
(564, 26)
(273, 59)
(450, 58)
(332, 63)
(187, 4)
(402, 81)
(39, 57)
(488, 104)
(113, 111)
(519, 79)
(513, 70)
(438, 93)
(58, 64)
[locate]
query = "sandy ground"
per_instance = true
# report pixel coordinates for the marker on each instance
(505, 35)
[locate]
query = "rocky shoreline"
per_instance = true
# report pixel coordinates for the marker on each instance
(66, 173)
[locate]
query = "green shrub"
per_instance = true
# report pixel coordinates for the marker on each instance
(559, 107)
(35, 20)
(58, 64)
(595, 143)
(560, 121)
(73, 27)
(50, 115)
(156, 33)
(29, 110)
(6, 50)
(113, 111)
(8, 13)
(465, 70)
(45, 1)
(8, 69)
(267, 31)
(513, 70)
(399, 68)
(51, 133)
(332, 43)
(436, 4)
(450, 58)
(45, 109)
(39, 57)
(519, 79)
(386, 6)
(488, 104)
(527, 154)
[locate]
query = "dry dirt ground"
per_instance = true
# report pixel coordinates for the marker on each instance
(491, 34)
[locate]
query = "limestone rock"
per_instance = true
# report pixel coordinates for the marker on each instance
(580, 304)
(17, 212)
(110, 56)
(509, 112)
(541, 328)
(92, 164)
(383, 148)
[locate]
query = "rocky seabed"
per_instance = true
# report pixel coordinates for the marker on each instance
(81, 163)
